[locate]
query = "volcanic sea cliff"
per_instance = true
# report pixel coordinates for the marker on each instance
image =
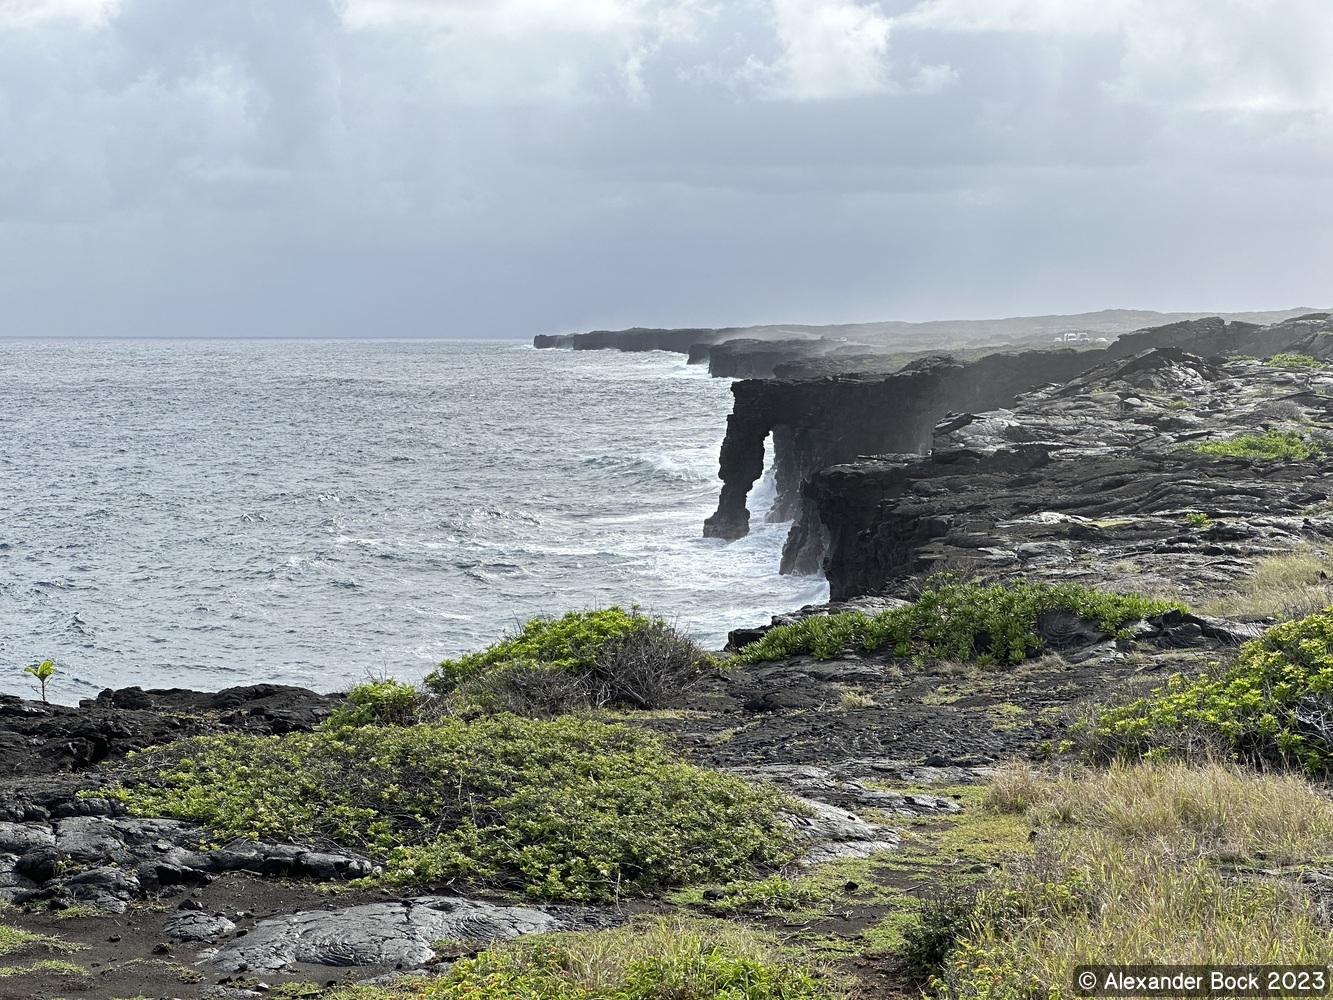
(1170, 463)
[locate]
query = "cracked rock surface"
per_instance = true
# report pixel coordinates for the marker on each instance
(397, 934)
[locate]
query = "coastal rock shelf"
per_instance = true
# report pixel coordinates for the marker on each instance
(1098, 480)
(833, 420)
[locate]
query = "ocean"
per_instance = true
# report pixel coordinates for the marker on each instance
(205, 513)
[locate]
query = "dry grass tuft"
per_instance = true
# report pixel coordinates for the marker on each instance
(1218, 811)
(1286, 586)
(1150, 863)
(852, 698)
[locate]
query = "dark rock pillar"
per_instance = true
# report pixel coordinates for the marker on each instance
(741, 463)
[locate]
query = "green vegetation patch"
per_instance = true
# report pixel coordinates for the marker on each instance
(14, 939)
(1274, 704)
(567, 808)
(955, 621)
(385, 702)
(645, 960)
(1294, 361)
(1270, 444)
(47, 965)
(583, 659)
(756, 896)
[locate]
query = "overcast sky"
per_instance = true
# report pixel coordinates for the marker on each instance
(511, 167)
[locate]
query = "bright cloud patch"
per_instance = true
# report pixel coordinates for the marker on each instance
(828, 49)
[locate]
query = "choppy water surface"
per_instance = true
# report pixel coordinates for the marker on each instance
(210, 513)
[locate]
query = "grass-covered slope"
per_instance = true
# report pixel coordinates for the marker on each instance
(1135, 865)
(960, 621)
(567, 808)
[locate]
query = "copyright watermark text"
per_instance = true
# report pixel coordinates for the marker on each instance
(1201, 981)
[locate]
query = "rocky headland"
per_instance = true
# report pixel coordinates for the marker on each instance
(818, 422)
(1175, 467)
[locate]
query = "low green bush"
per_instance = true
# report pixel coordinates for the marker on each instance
(570, 642)
(1273, 705)
(955, 621)
(582, 659)
(566, 808)
(1294, 360)
(1270, 444)
(945, 915)
(768, 895)
(377, 703)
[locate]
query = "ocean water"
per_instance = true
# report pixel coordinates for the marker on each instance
(211, 513)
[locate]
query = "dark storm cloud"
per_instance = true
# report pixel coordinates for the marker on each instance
(504, 167)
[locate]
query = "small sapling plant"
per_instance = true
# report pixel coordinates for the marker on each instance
(42, 671)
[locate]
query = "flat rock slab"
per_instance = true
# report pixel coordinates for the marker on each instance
(394, 934)
(836, 833)
(195, 926)
(832, 786)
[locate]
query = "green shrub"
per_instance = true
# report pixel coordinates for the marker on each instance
(768, 895)
(1270, 444)
(1198, 519)
(1293, 360)
(944, 917)
(376, 703)
(570, 642)
(583, 659)
(954, 621)
(562, 809)
(1274, 704)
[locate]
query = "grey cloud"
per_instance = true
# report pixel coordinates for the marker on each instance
(403, 167)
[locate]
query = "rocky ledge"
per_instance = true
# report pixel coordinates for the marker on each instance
(1099, 480)
(835, 419)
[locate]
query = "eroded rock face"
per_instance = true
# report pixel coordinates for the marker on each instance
(820, 418)
(1092, 480)
(821, 422)
(752, 358)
